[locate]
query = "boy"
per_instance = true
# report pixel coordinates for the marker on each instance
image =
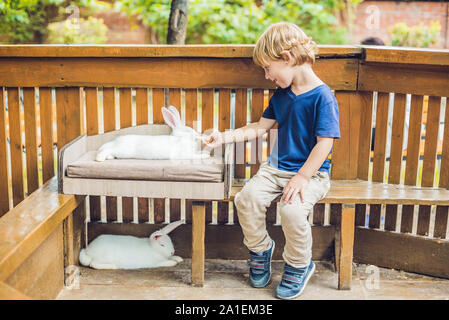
(307, 115)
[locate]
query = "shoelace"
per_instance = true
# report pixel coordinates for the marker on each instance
(291, 279)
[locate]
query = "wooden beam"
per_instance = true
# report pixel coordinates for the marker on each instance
(182, 72)
(344, 242)
(403, 78)
(406, 252)
(198, 249)
(126, 51)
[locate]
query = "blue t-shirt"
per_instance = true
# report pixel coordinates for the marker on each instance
(301, 119)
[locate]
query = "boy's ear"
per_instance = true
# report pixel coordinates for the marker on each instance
(286, 56)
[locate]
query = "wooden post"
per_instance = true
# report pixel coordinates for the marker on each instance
(344, 243)
(198, 231)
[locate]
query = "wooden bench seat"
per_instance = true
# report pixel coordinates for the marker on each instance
(352, 192)
(368, 192)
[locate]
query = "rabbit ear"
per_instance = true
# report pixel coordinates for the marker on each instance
(175, 112)
(169, 118)
(169, 228)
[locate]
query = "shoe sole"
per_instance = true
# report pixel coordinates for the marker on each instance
(269, 279)
(303, 287)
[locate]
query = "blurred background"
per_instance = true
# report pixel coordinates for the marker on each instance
(398, 23)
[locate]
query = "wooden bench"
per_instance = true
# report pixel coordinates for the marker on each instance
(39, 238)
(352, 192)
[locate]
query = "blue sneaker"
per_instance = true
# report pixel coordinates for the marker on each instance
(294, 280)
(260, 267)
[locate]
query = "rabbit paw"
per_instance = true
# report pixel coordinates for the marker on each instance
(167, 263)
(177, 259)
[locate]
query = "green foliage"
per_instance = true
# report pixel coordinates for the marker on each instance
(415, 36)
(242, 21)
(25, 21)
(91, 30)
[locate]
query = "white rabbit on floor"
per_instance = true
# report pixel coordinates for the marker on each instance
(128, 252)
(183, 143)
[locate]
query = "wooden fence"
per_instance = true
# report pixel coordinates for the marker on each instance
(52, 94)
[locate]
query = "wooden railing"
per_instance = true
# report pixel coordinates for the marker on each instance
(52, 94)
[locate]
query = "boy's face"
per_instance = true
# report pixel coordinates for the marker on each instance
(280, 72)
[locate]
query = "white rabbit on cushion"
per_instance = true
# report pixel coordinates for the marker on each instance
(183, 143)
(128, 252)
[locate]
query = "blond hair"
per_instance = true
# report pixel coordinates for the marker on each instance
(284, 36)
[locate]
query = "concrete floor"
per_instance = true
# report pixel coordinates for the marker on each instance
(228, 280)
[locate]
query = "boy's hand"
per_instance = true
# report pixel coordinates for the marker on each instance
(296, 185)
(213, 140)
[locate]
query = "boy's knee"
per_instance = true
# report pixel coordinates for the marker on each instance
(294, 214)
(248, 198)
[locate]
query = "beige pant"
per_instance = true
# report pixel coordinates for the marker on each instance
(256, 196)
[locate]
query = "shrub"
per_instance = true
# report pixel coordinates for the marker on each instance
(91, 30)
(415, 36)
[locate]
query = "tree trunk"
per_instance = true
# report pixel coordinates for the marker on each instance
(177, 24)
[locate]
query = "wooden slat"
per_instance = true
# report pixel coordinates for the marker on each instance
(29, 105)
(441, 216)
(256, 144)
(241, 109)
(430, 153)
(27, 225)
(414, 136)
(70, 124)
(125, 122)
(158, 103)
(394, 172)
(46, 122)
(224, 124)
(191, 121)
(92, 129)
(207, 126)
(68, 110)
(142, 118)
(366, 102)
(318, 214)
(430, 147)
(175, 204)
(4, 190)
(109, 98)
(345, 150)
(340, 74)
(15, 145)
(380, 137)
(411, 164)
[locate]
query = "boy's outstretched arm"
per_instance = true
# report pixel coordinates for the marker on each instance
(315, 160)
